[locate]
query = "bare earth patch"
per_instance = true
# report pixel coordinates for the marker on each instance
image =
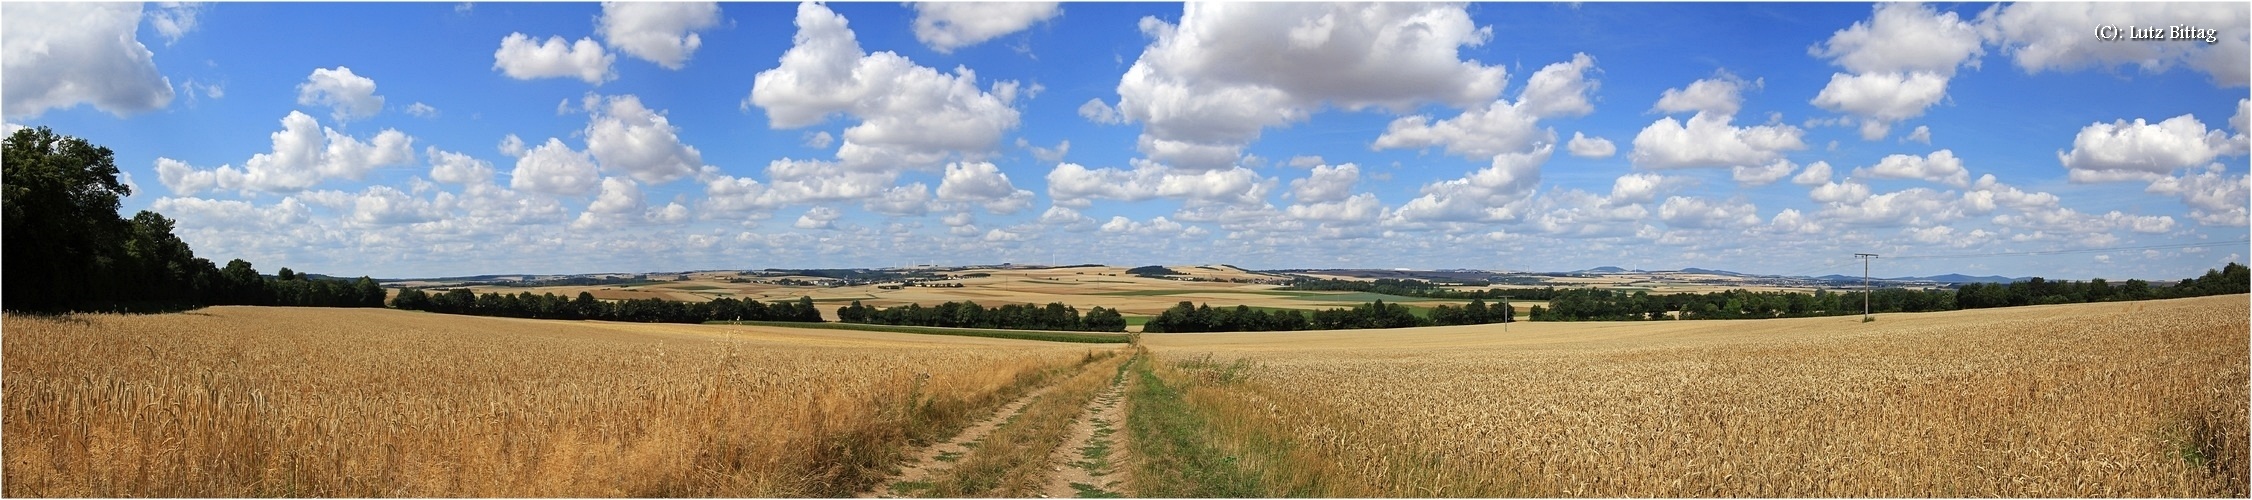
(1087, 466)
(934, 460)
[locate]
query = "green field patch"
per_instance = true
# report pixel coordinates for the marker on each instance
(839, 300)
(1137, 320)
(1042, 335)
(1361, 297)
(1279, 309)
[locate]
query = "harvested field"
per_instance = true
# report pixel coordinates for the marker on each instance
(250, 401)
(1081, 287)
(2109, 399)
(636, 295)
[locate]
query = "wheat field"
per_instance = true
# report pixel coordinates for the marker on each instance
(238, 401)
(2114, 399)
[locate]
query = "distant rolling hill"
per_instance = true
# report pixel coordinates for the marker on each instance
(1952, 279)
(1961, 278)
(1692, 270)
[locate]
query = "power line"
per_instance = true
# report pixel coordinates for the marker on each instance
(2073, 251)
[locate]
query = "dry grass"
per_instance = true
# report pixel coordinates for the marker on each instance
(2136, 399)
(229, 402)
(1014, 461)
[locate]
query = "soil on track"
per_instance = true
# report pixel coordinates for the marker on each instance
(1088, 465)
(934, 460)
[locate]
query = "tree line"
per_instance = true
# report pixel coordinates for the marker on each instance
(2232, 278)
(1054, 316)
(68, 250)
(1154, 272)
(1187, 317)
(1610, 305)
(1417, 288)
(585, 306)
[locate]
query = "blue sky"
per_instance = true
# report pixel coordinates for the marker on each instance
(426, 139)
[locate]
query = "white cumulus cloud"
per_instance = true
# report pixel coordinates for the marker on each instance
(984, 184)
(818, 218)
(1095, 110)
(1904, 36)
(456, 168)
(556, 169)
(420, 110)
(56, 55)
(911, 199)
(626, 136)
(1362, 207)
(1495, 193)
(1692, 212)
(173, 20)
(1709, 140)
(1590, 147)
(1921, 134)
(1640, 187)
(523, 58)
(2141, 150)
(2214, 197)
(619, 195)
(349, 96)
(1065, 217)
(1721, 95)
(1910, 207)
(1326, 184)
(1501, 126)
(2057, 36)
(304, 154)
(1156, 225)
(911, 116)
(1882, 98)
(945, 26)
(658, 32)
(1816, 174)
(1940, 166)
(1754, 176)
(1073, 185)
(1901, 60)
(1206, 87)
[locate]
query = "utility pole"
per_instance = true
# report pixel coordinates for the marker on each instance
(1865, 258)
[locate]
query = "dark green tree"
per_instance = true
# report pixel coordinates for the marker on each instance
(64, 239)
(367, 292)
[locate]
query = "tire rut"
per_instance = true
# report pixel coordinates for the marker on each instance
(937, 459)
(1089, 464)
